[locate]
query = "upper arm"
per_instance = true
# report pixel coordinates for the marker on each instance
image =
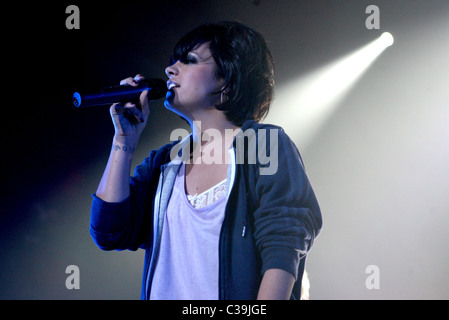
(288, 217)
(128, 224)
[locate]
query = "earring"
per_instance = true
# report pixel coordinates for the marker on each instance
(221, 97)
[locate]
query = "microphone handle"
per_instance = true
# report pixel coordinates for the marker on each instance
(106, 96)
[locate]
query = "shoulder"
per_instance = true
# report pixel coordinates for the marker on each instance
(251, 124)
(162, 155)
(267, 132)
(267, 146)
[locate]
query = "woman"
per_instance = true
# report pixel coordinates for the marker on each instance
(214, 225)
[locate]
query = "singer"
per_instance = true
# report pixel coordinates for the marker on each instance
(210, 230)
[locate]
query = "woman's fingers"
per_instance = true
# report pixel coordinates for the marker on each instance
(128, 115)
(132, 81)
(117, 108)
(134, 110)
(130, 109)
(138, 77)
(129, 81)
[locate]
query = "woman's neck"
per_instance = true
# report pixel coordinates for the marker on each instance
(214, 131)
(211, 123)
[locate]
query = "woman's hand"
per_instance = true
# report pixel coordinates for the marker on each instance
(130, 119)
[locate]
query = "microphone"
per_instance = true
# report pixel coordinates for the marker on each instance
(157, 88)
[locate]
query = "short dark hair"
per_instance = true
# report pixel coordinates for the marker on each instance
(244, 63)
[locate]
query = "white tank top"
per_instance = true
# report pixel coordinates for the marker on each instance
(187, 266)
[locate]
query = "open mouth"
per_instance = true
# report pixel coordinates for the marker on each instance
(172, 85)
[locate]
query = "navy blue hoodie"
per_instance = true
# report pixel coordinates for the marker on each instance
(271, 220)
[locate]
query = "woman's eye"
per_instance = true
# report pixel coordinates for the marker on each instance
(188, 60)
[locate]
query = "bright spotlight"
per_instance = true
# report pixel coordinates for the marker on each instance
(387, 39)
(303, 106)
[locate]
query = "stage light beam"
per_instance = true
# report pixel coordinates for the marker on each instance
(304, 105)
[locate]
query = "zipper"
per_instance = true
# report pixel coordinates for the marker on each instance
(244, 227)
(151, 266)
(223, 240)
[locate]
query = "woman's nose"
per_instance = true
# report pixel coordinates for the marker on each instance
(172, 70)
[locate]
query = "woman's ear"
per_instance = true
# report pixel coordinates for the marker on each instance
(225, 90)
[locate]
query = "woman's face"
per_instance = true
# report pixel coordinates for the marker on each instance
(192, 83)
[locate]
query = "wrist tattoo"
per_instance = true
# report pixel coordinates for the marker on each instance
(123, 148)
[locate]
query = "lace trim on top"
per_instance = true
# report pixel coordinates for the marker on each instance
(199, 201)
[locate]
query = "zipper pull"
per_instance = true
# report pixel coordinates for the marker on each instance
(244, 231)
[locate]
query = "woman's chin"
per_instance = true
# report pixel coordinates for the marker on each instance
(170, 105)
(169, 102)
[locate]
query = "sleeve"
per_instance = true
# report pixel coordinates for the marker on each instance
(127, 224)
(288, 217)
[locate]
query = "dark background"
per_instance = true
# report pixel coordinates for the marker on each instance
(53, 154)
